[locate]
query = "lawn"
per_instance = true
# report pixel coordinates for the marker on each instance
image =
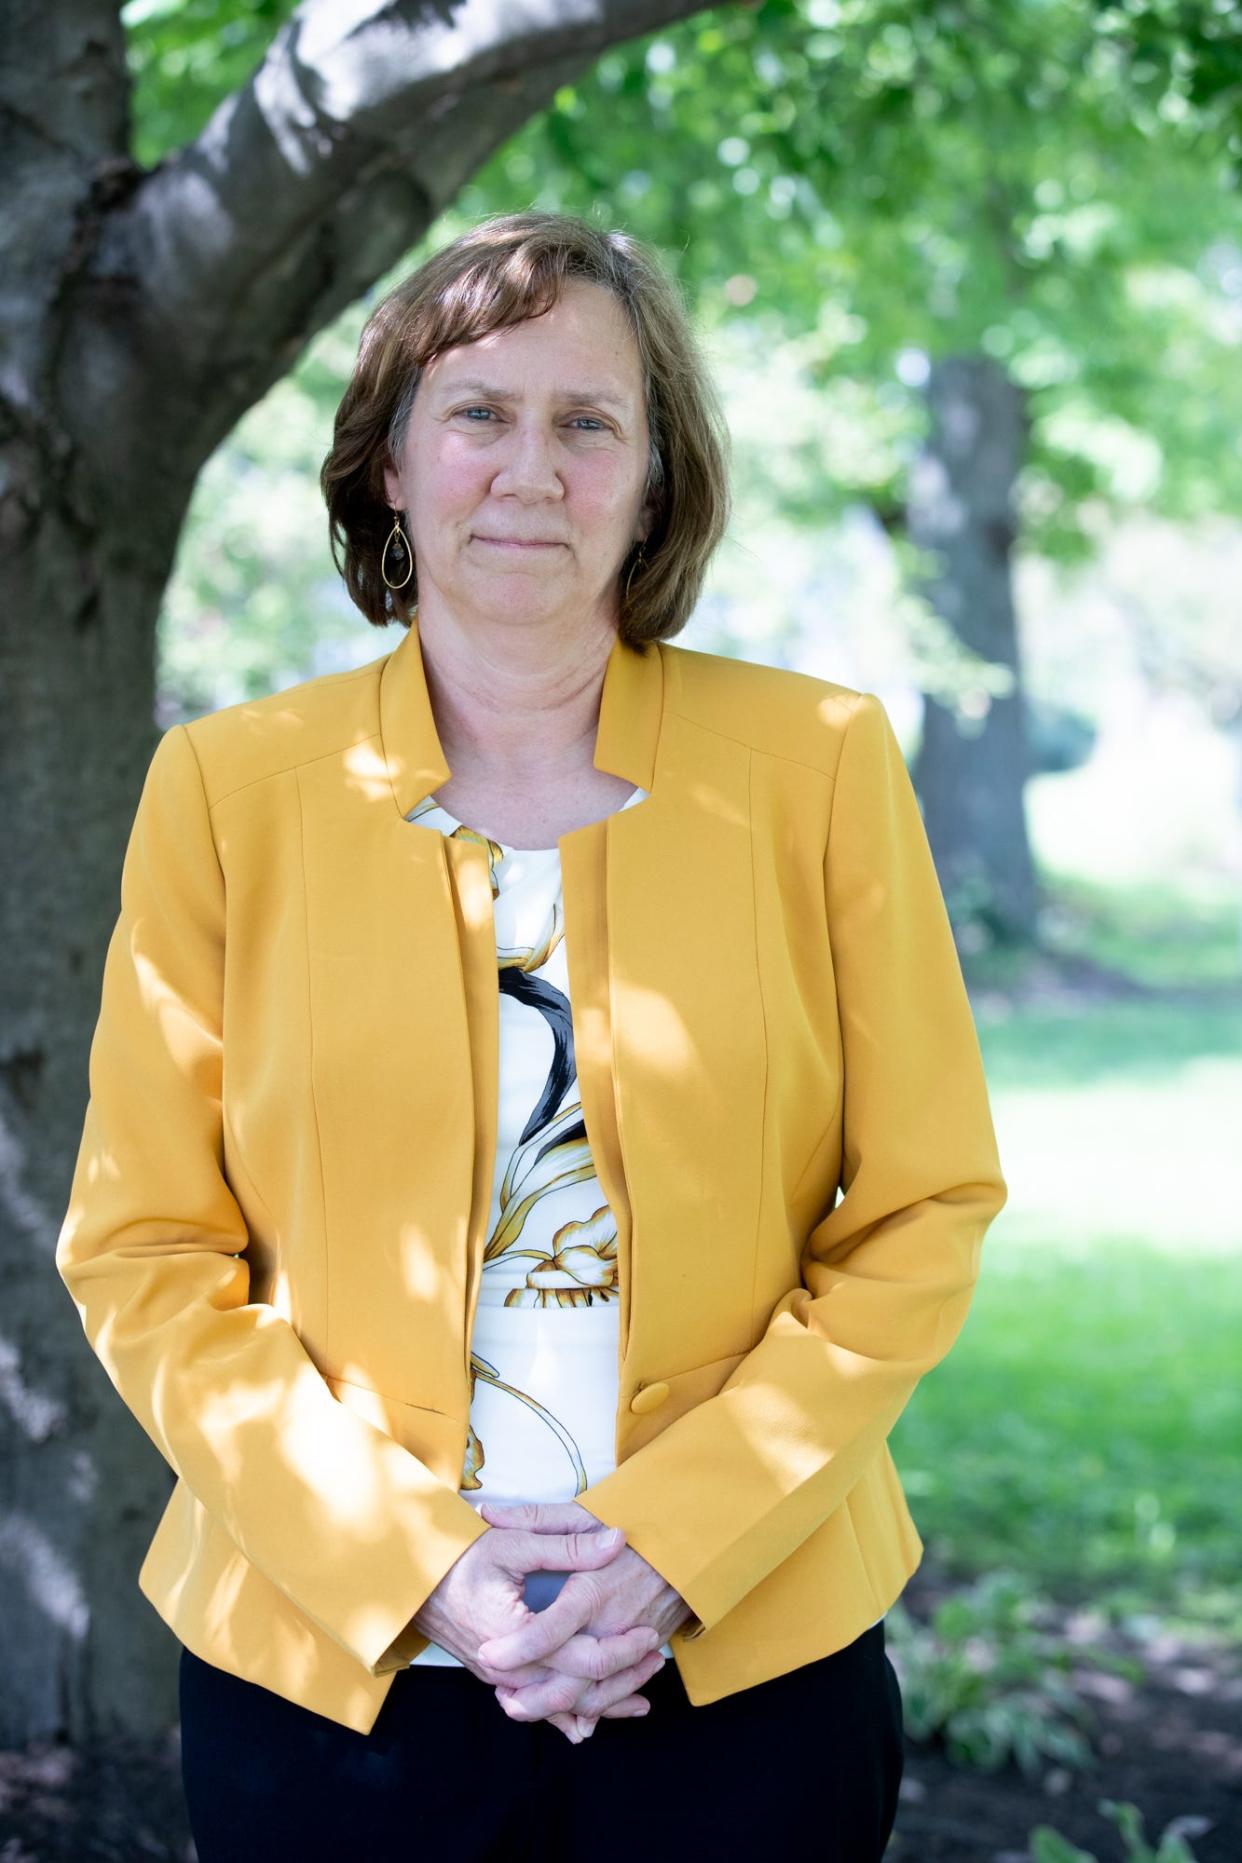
(1085, 1429)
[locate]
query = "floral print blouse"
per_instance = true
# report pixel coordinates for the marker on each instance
(543, 1363)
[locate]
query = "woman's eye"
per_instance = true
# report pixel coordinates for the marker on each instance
(589, 422)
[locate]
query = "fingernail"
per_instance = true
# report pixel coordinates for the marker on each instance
(613, 1535)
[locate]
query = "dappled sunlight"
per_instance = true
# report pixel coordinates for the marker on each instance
(33, 1565)
(29, 1217)
(339, 60)
(655, 1031)
(36, 1414)
(776, 1427)
(367, 771)
(280, 1297)
(422, 1275)
(221, 1614)
(345, 1487)
(101, 1167)
(181, 1031)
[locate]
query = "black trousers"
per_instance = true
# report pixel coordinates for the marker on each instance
(806, 1765)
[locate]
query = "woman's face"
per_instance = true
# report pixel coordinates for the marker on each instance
(523, 467)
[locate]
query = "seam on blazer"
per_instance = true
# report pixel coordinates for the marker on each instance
(670, 711)
(310, 1060)
(198, 768)
(877, 1604)
(289, 769)
(372, 1390)
(767, 1056)
(855, 708)
(816, 1153)
(226, 1123)
(228, 1130)
(832, 807)
(709, 1364)
(825, 1135)
(760, 750)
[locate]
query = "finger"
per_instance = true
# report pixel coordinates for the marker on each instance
(599, 1696)
(595, 1657)
(633, 1708)
(543, 1699)
(575, 1727)
(574, 1605)
(540, 1516)
(562, 1552)
(512, 1678)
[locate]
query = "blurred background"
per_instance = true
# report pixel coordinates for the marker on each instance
(969, 279)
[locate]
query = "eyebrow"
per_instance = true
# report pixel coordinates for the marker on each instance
(601, 397)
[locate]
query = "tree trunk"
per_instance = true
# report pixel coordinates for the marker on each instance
(80, 1481)
(973, 761)
(143, 313)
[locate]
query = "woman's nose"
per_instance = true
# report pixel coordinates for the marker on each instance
(529, 467)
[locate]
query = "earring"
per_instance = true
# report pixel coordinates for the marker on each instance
(396, 541)
(640, 562)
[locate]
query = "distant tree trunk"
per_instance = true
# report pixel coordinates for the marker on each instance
(142, 314)
(973, 761)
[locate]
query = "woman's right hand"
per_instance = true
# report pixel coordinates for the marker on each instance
(481, 1596)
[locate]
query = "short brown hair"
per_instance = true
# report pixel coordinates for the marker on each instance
(506, 269)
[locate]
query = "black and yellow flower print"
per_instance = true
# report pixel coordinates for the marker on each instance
(552, 1242)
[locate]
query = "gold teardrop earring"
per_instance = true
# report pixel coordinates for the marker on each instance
(640, 562)
(397, 541)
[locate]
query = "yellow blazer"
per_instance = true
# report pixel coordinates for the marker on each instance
(276, 1224)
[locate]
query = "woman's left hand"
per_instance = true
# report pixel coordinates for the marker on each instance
(625, 1592)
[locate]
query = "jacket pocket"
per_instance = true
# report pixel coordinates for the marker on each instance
(685, 1389)
(435, 1437)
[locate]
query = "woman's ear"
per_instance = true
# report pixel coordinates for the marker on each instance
(392, 484)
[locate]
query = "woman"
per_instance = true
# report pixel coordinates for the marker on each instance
(423, 1285)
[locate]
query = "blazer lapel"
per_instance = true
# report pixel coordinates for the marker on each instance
(393, 1087)
(688, 1045)
(669, 1030)
(660, 936)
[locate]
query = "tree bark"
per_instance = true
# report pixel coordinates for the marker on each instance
(142, 314)
(973, 762)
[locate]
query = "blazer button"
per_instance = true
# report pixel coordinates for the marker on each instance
(649, 1398)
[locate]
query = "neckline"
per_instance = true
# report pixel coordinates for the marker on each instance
(506, 848)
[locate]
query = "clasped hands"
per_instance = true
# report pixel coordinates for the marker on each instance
(583, 1658)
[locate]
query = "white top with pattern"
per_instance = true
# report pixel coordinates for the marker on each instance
(545, 1343)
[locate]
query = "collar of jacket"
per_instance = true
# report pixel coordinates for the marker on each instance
(661, 925)
(627, 736)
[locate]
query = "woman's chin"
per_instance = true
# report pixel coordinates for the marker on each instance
(519, 598)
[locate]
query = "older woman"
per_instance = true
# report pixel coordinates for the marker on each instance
(537, 1141)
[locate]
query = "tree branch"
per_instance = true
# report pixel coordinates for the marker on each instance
(62, 73)
(363, 122)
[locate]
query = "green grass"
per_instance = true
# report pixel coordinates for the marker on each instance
(1160, 932)
(1183, 933)
(1085, 1428)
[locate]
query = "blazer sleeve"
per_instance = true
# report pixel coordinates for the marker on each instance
(732, 1487)
(352, 1528)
